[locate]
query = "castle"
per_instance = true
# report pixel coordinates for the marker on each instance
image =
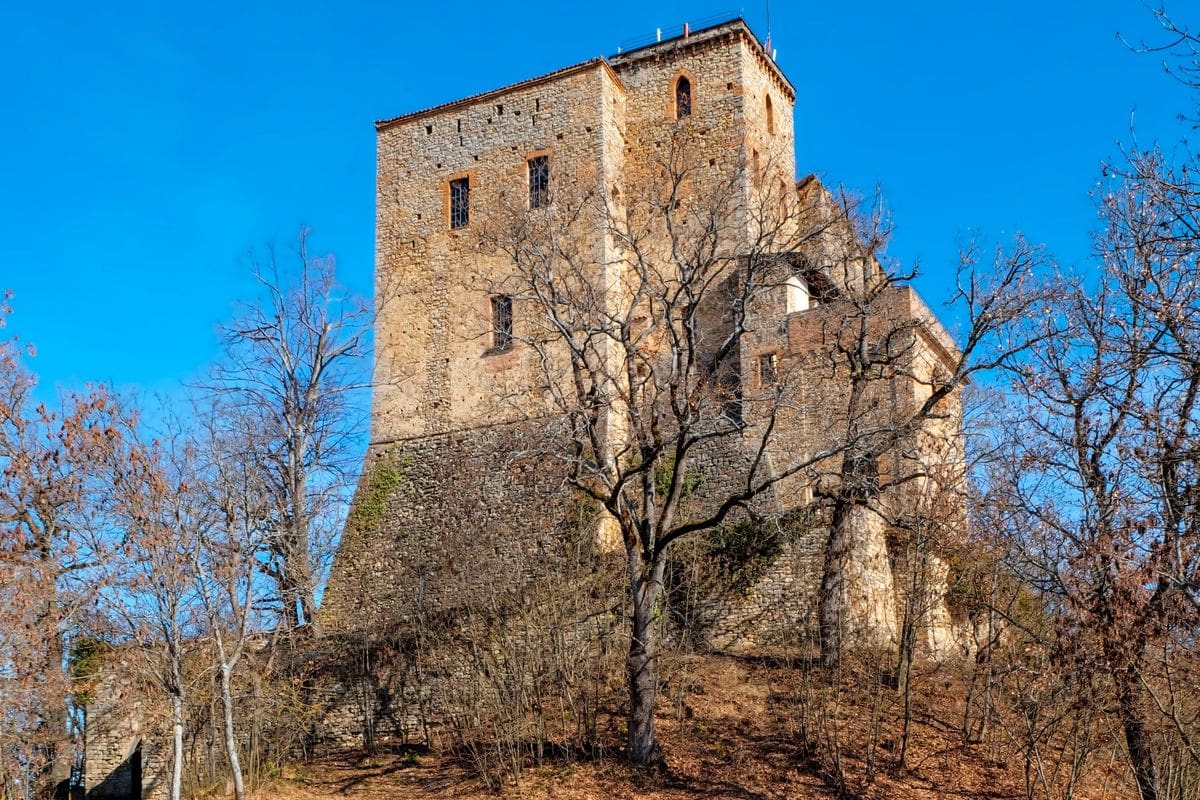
(461, 376)
(683, 141)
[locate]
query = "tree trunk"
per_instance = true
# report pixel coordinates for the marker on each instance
(858, 591)
(231, 752)
(55, 717)
(639, 664)
(1141, 758)
(297, 587)
(176, 788)
(831, 612)
(908, 642)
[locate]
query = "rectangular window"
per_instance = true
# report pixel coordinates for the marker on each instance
(460, 202)
(768, 369)
(539, 181)
(502, 322)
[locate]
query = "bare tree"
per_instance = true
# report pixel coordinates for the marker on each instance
(1180, 47)
(885, 445)
(292, 362)
(641, 380)
(643, 311)
(1101, 484)
(239, 500)
(150, 592)
(51, 550)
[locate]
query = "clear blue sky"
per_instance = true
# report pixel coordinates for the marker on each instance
(146, 146)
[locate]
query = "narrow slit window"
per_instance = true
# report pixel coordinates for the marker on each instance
(460, 202)
(798, 298)
(539, 181)
(768, 369)
(683, 98)
(770, 115)
(502, 322)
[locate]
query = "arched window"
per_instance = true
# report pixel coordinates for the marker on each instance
(683, 98)
(770, 115)
(797, 294)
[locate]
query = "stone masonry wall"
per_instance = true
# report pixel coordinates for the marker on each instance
(435, 517)
(436, 368)
(126, 752)
(461, 492)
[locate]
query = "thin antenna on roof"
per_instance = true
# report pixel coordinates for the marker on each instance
(768, 46)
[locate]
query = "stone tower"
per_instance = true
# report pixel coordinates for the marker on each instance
(456, 393)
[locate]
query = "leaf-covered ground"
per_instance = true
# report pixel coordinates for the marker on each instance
(732, 734)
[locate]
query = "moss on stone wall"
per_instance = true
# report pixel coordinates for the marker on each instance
(741, 552)
(382, 484)
(87, 659)
(664, 472)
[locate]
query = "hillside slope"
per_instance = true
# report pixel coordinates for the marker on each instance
(731, 733)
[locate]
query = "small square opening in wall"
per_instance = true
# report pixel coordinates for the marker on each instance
(502, 322)
(460, 202)
(539, 181)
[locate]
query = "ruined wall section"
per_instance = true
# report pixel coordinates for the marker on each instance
(768, 101)
(126, 742)
(931, 510)
(610, 273)
(711, 134)
(708, 143)
(443, 393)
(708, 146)
(808, 387)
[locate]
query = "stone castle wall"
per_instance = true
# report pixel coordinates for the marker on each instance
(436, 368)
(447, 401)
(461, 493)
(436, 518)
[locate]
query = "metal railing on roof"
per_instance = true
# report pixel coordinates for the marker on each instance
(676, 31)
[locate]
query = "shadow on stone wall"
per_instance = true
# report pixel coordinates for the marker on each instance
(124, 782)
